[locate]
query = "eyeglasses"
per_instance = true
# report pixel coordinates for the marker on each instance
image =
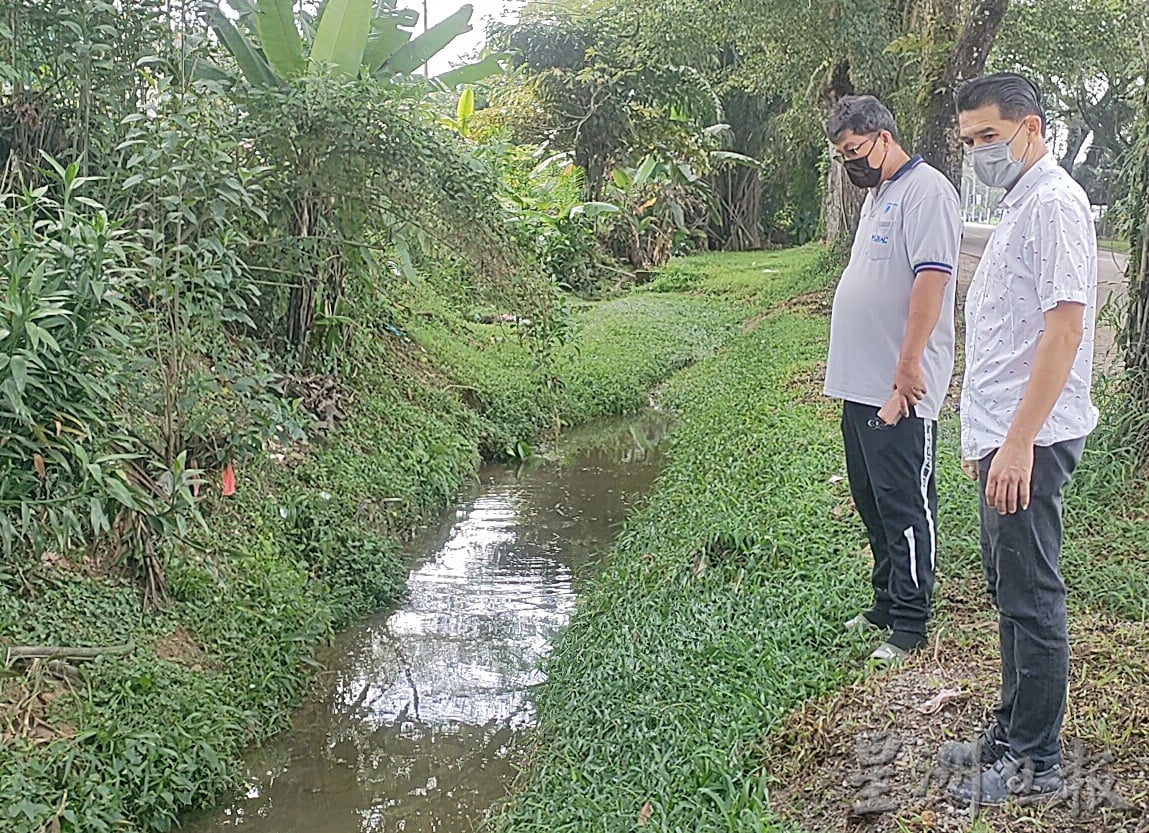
(855, 152)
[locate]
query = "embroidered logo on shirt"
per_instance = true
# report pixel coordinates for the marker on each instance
(882, 235)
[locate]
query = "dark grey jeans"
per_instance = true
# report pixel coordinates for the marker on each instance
(1020, 554)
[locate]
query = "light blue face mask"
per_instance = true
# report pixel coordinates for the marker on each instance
(994, 165)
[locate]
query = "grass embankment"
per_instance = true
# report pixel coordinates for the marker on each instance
(307, 544)
(721, 609)
(1114, 244)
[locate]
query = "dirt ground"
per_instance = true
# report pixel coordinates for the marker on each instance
(25, 704)
(181, 647)
(866, 758)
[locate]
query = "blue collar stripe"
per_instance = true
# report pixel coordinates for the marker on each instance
(913, 163)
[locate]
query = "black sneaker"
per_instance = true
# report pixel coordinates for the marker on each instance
(985, 750)
(1009, 780)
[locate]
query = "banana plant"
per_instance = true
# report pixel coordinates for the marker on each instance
(271, 44)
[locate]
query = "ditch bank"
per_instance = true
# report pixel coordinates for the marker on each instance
(309, 543)
(705, 682)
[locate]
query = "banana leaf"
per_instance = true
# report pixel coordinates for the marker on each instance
(387, 38)
(422, 48)
(341, 37)
(252, 64)
(472, 73)
(275, 21)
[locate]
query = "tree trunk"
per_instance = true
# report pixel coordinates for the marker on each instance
(937, 136)
(1109, 116)
(1076, 134)
(842, 202)
(842, 205)
(301, 301)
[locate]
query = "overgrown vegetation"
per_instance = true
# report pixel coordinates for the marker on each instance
(306, 544)
(252, 332)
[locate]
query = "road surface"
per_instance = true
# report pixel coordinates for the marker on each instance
(1110, 265)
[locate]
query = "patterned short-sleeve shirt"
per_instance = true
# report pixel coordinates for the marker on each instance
(1043, 252)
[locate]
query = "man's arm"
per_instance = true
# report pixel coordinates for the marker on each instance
(926, 299)
(1007, 486)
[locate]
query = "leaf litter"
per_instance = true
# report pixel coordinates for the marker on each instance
(864, 758)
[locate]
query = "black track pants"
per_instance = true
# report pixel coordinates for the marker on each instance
(891, 473)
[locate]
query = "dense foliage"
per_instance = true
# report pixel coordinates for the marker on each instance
(1086, 56)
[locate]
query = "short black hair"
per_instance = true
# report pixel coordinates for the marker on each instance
(1014, 95)
(859, 114)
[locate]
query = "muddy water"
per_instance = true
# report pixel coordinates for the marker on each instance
(421, 716)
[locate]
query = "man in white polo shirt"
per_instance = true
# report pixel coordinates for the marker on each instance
(890, 360)
(1025, 413)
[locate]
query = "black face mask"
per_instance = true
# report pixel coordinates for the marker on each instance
(861, 173)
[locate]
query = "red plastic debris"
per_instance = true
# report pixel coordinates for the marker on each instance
(228, 480)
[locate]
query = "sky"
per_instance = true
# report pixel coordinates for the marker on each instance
(485, 10)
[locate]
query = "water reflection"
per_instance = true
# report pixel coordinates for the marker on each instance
(418, 722)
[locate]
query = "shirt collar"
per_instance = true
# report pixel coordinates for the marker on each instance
(910, 164)
(1030, 178)
(913, 162)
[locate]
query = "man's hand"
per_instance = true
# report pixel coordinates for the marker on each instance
(910, 380)
(969, 468)
(895, 408)
(1007, 486)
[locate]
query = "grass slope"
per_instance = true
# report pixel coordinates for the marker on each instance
(721, 610)
(302, 549)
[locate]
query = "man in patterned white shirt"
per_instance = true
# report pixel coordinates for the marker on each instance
(1025, 413)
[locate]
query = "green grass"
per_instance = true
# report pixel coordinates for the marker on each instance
(758, 278)
(720, 610)
(1113, 244)
(618, 351)
(302, 550)
(625, 347)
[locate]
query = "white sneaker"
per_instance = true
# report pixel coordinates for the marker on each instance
(861, 623)
(887, 654)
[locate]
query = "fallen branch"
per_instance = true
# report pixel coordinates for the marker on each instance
(12, 653)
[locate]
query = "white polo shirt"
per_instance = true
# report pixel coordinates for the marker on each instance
(1043, 252)
(909, 224)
